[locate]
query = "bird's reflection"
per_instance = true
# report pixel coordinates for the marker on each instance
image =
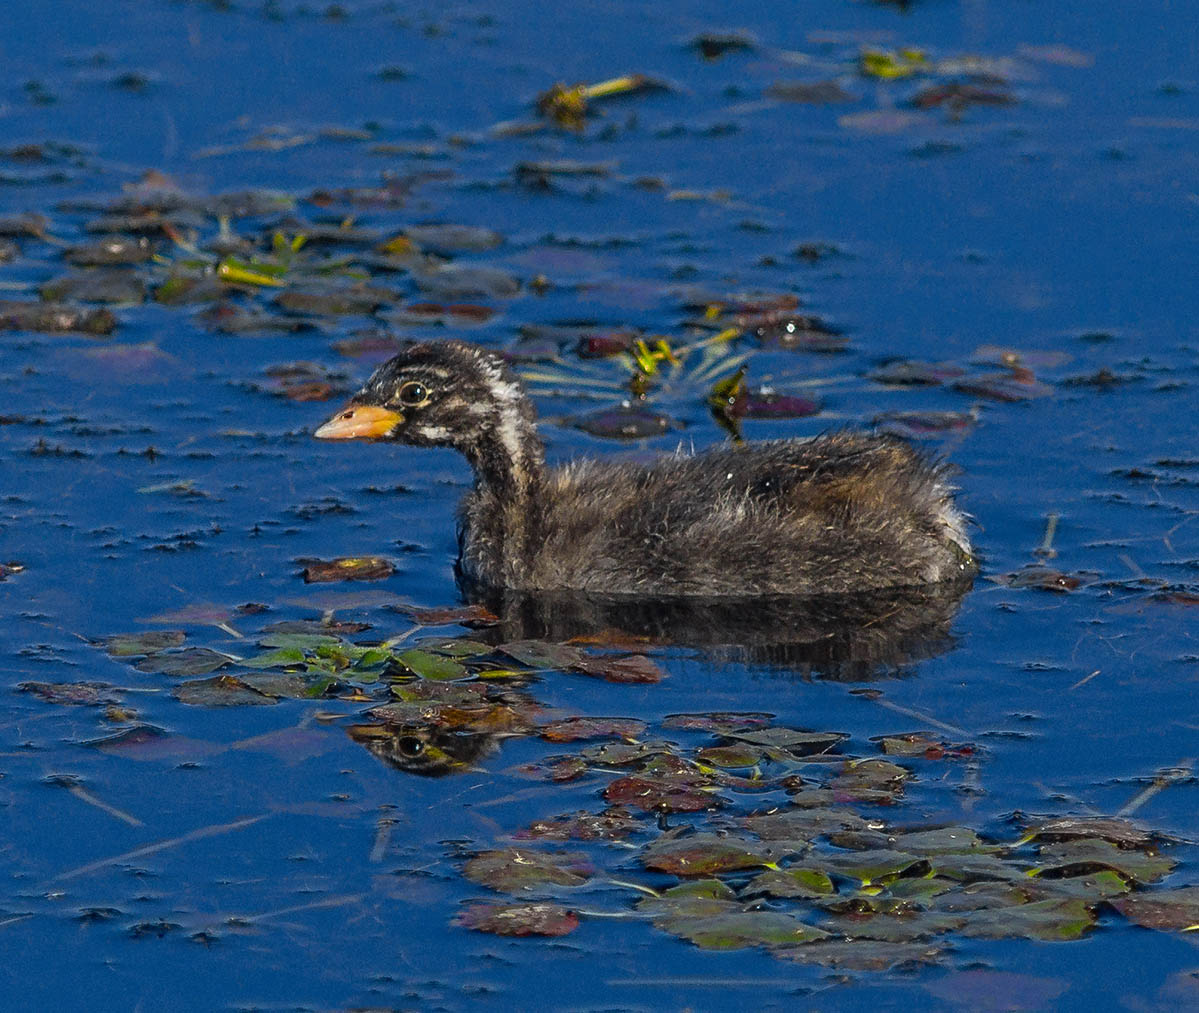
(841, 638)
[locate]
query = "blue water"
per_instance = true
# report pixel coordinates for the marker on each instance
(1033, 226)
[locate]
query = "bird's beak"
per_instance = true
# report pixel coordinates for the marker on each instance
(359, 422)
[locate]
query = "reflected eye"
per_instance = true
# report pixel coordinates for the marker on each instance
(410, 746)
(413, 394)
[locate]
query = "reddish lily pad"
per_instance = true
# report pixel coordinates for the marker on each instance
(575, 729)
(624, 422)
(661, 795)
(467, 615)
(346, 568)
(519, 919)
(101, 286)
(1018, 384)
(1168, 910)
(706, 854)
(633, 668)
(610, 825)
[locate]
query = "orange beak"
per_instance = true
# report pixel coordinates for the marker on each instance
(359, 422)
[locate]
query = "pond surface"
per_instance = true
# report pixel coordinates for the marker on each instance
(972, 223)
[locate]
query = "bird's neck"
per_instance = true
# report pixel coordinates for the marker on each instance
(508, 457)
(503, 518)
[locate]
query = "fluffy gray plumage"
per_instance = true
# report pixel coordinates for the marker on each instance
(843, 512)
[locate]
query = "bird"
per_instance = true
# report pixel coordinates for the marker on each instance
(839, 513)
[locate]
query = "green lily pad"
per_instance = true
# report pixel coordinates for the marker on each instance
(432, 667)
(1049, 920)
(795, 881)
(735, 930)
(281, 658)
(220, 691)
(1085, 855)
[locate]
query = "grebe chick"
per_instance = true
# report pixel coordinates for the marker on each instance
(839, 513)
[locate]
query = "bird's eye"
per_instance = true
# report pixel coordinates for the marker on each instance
(413, 394)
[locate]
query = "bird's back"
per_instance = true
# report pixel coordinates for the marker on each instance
(839, 513)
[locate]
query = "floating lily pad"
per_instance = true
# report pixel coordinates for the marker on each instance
(625, 422)
(1083, 855)
(721, 722)
(1118, 831)
(734, 930)
(705, 854)
(575, 729)
(319, 571)
(1041, 578)
(466, 615)
(791, 740)
(1015, 385)
(189, 661)
(1169, 910)
(451, 239)
(129, 645)
(611, 825)
(82, 694)
(433, 667)
(102, 286)
(519, 870)
(1050, 920)
(519, 919)
(662, 795)
(633, 668)
(793, 882)
(467, 281)
(220, 691)
(54, 318)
